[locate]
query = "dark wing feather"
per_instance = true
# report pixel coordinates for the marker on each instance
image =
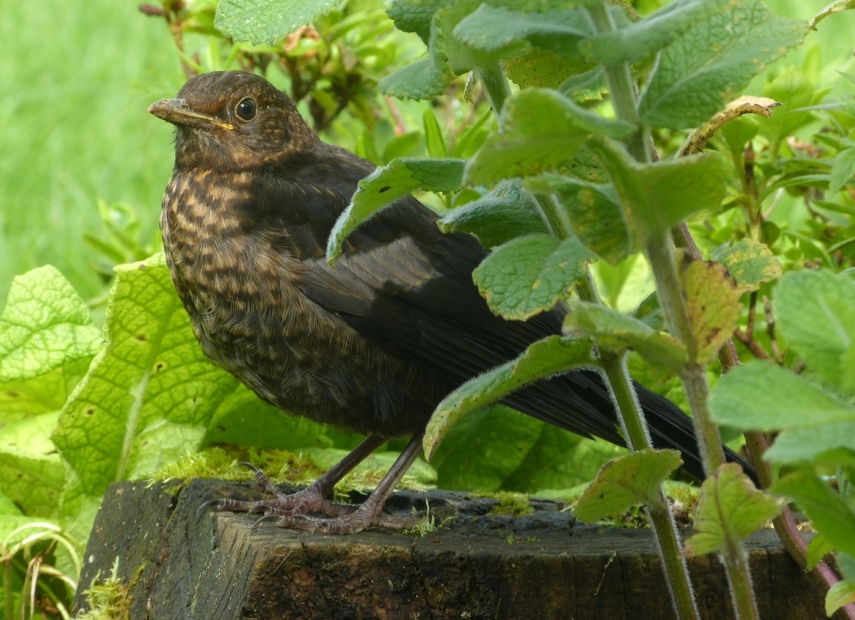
(407, 287)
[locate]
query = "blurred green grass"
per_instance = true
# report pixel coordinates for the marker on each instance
(76, 78)
(75, 81)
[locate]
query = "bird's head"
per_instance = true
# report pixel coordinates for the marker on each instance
(233, 120)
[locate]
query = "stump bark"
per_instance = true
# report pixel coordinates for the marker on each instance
(185, 564)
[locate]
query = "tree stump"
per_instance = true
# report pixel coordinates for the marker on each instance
(185, 564)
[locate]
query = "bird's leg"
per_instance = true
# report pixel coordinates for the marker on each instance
(367, 513)
(311, 499)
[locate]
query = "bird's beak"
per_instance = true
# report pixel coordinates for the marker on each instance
(177, 112)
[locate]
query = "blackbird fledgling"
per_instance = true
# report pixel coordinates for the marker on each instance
(371, 345)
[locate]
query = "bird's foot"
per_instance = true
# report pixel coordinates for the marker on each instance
(285, 505)
(357, 520)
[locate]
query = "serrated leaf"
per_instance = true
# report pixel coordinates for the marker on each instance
(841, 170)
(503, 214)
(539, 130)
(729, 511)
(814, 314)
(542, 359)
(264, 21)
(44, 325)
(530, 274)
(828, 511)
(650, 34)
(712, 301)
(711, 62)
(817, 549)
(388, 183)
(594, 213)
(414, 17)
(619, 331)
(149, 395)
(750, 262)
(31, 473)
(789, 401)
(625, 482)
(657, 197)
(492, 28)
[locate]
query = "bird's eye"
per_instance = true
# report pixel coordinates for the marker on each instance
(246, 109)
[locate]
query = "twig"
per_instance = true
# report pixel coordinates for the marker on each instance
(752, 313)
(400, 125)
(752, 345)
(770, 328)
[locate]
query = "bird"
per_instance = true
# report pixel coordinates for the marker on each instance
(371, 344)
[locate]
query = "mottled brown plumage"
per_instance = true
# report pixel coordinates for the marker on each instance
(370, 345)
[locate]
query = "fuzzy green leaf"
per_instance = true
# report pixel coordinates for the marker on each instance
(619, 331)
(712, 301)
(530, 274)
(264, 21)
(647, 36)
(828, 511)
(729, 511)
(657, 197)
(788, 401)
(625, 482)
(148, 398)
(594, 212)
(44, 325)
(750, 262)
(503, 214)
(388, 183)
(544, 69)
(710, 63)
(814, 314)
(421, 79)
(542, 359)
(492, 28)
(539, 130)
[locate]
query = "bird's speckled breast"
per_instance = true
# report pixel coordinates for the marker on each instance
(243, 297)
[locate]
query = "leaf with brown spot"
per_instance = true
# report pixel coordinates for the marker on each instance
(712, 301)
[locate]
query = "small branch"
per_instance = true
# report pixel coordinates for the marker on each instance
(770, 328)
(753, 346)
(400, 125)
(752, 313)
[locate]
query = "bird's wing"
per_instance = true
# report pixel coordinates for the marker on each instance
(407, 287)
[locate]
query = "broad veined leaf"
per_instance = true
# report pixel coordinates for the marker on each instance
(625, 482)
(530, 274)
(712, 61)
(44, 325)
(729, 511)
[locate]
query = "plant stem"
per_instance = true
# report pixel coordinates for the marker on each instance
(661, 258)
(660, 255)
(659, 513)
